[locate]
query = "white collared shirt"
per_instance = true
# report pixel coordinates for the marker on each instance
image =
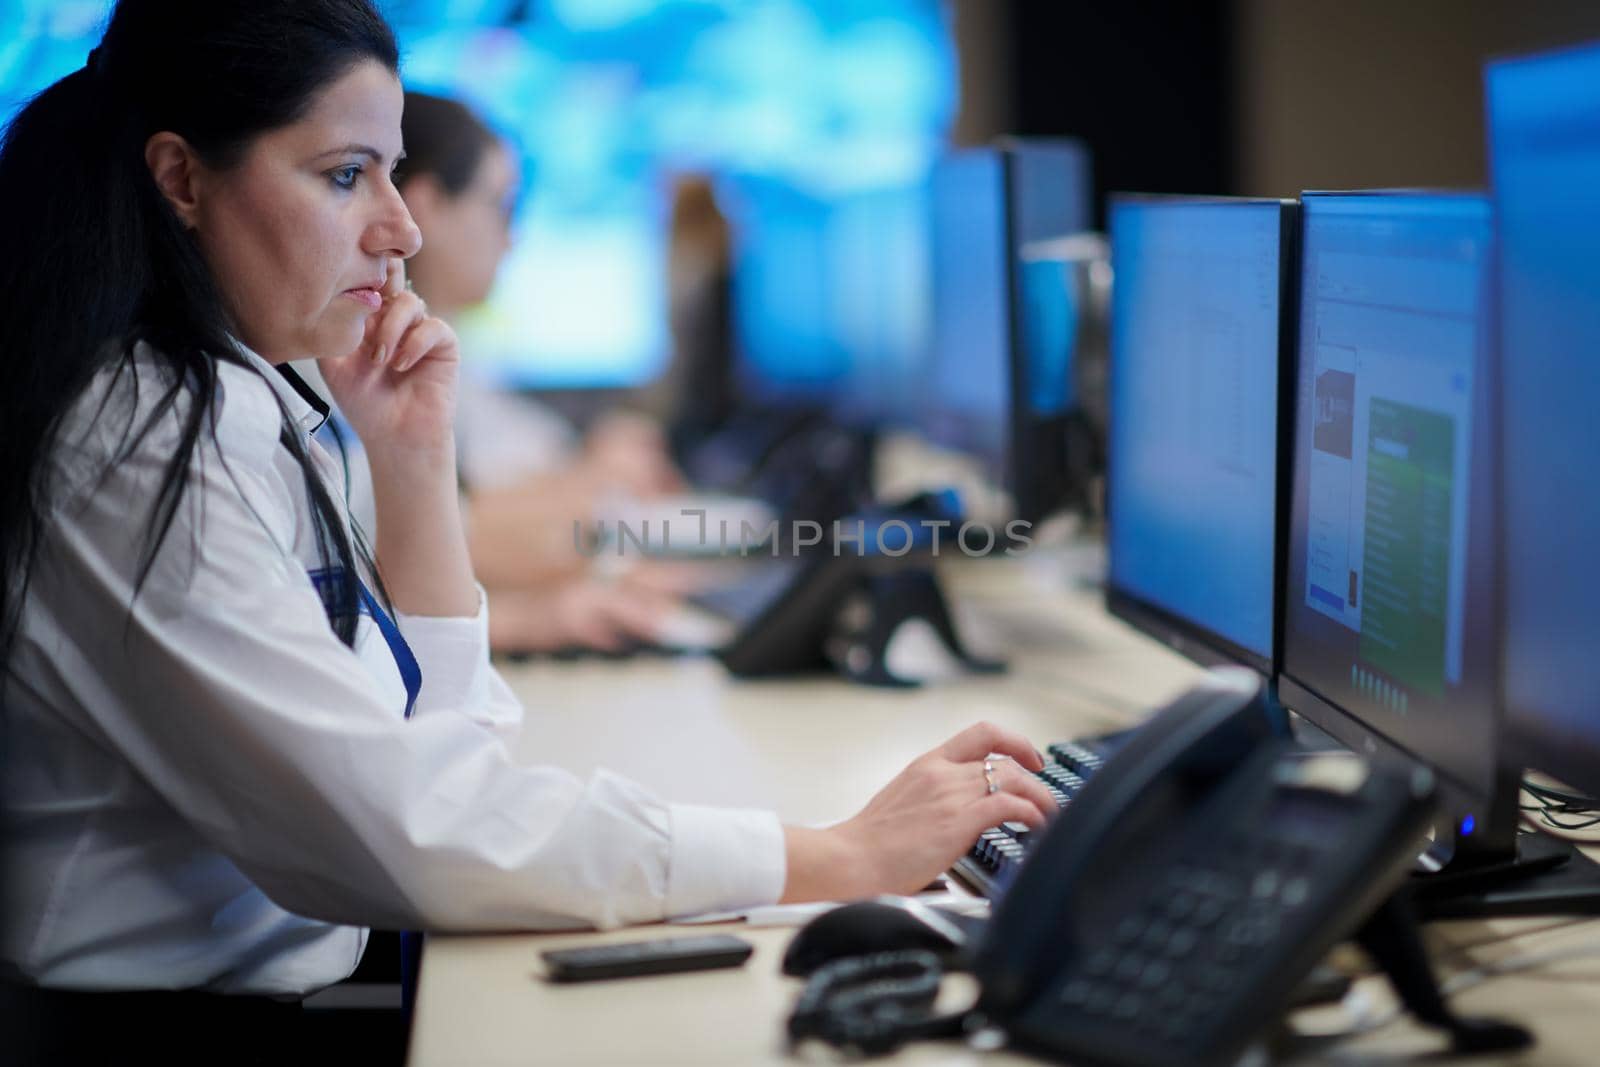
(209, 790)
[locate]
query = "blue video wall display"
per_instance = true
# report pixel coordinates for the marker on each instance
(790, 106)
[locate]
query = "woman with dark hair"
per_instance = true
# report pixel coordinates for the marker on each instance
(528, 480)
(230, 747)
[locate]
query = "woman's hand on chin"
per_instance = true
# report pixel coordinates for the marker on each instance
(398, 388)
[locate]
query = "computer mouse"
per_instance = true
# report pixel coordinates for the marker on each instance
(885, 924)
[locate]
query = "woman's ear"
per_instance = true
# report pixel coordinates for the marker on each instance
(174, 166)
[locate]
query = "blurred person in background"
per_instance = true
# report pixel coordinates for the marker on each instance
(698, 389)
(529, 478)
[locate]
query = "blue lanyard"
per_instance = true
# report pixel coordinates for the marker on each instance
(404, 659)
(411, 674)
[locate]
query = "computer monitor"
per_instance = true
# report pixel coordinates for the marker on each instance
(1544, 148)
(1389, 604)
(1193, 470)
(1050, 449)
(966, 396)
(829, 308)
(982, 392)
(830, 298)
(1388, 610)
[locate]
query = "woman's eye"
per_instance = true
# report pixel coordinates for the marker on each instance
(345, 177)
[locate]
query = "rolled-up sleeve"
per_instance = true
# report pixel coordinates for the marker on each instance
(699, 877)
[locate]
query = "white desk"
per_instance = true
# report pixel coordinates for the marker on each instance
(814, 750)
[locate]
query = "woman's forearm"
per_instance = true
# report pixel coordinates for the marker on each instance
(421, 547)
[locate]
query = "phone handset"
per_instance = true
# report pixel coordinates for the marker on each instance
(1191, 742)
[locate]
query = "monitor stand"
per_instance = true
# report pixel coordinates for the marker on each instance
(1525, 873)
(1547, 876)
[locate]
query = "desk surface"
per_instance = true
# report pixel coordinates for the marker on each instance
(815, 750)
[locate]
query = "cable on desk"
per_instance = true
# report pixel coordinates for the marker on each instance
(1549, 803)
(871, 1005)
(1578, 801)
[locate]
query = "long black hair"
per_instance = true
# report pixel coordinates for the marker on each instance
(95, 259)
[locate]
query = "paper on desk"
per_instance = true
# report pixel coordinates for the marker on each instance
(800, 914)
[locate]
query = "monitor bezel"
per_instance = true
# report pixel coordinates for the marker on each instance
(1035, 482)
(1189, 638)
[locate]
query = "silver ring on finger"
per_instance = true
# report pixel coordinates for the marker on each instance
(988, 777)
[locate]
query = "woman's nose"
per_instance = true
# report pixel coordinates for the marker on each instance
(394, 232)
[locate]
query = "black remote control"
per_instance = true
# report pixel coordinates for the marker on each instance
(664, 955)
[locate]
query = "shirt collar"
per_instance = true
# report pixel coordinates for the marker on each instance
(308, 410)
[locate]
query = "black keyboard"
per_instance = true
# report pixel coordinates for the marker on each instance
(993, 861)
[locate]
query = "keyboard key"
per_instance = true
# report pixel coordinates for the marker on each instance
(1157, 935)
(1155, 975)
(1180, 905)
(1100, 1000)
(1100, 963)
(1181, 943)
(1075, 994)
(1129, 967)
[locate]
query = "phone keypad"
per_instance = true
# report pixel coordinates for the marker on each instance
(1168, 967)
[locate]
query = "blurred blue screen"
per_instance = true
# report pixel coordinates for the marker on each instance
(1050, 319)
(1192, 462)
(988, 205)
(1544, 139)
(1049, 188)
(831, 297)
(967, 392)
(1388, 608)
(1050, 197)
(606, 99)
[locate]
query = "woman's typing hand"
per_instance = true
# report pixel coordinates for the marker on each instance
(922, 821)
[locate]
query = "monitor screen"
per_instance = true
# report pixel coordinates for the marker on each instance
(830, 297)
(989, 205)
(967, 399)
(1544, 140)
(1192, 462)
(1389, 610)
(1049, 181)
